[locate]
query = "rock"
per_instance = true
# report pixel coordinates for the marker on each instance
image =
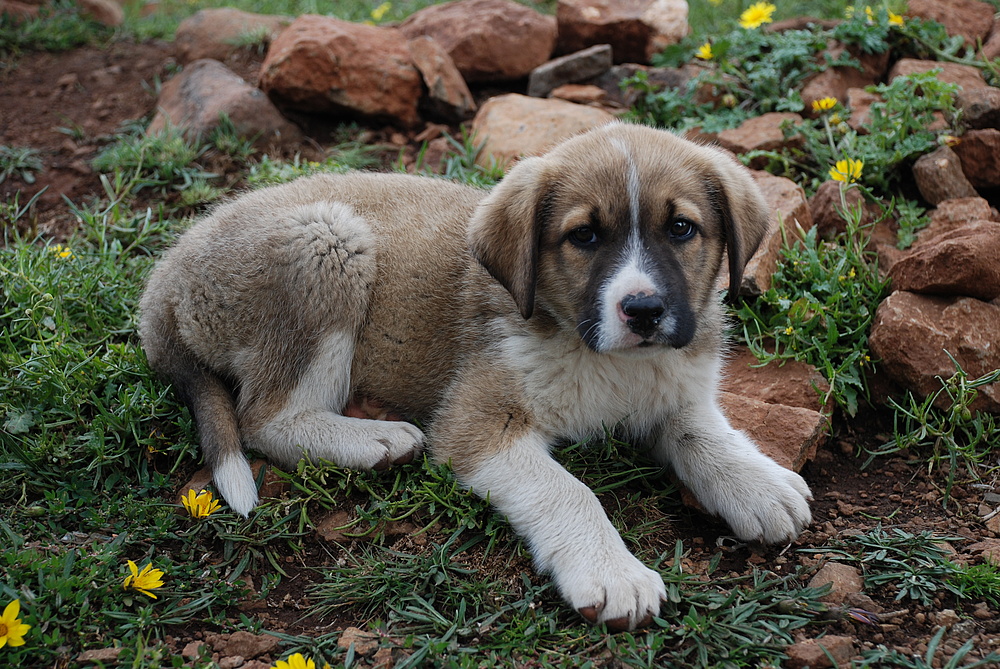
(788, 435)
(323, 64)
(18, 10)
(835, 82)
(192, 650)
(581, 94)
(991, 49)
(658, 78)
(569, 69)
(860, 102)
(979, 151)
(761, 133)
(967, 328)
(844, 579)
(952, 214)
(231, 662)
(792, 383)
(635, 29)
(333, 525)
(939, 176)
(103, 655)
(195, 100)
(962, 261)
(817, 653)
(966, 76)
(829, 202)
(364, 643)
(980, 107)
(216, 33)
(273, 485)
(988, 549)
(489, 40)
(448, 96)
(250, 645)
(108, 12)
(789, 215)
(969, 19)
(512, 125)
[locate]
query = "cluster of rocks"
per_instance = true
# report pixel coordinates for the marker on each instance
(108, 12)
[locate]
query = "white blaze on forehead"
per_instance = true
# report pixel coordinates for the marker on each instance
(631, 184)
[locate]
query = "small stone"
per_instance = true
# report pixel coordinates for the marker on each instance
(580, 94)
(364, 643)
(939, 176)
(250, 645)
(569, 69)
(192, 650)
(844, 579)
(827, 651)
(231, 662)
(947, 617)
(108, 12)
(960, 262)
(216, 33)
(108, 655)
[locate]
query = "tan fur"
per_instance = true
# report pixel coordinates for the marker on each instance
(366, 281)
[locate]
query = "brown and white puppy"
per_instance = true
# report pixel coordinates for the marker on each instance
(588, 300)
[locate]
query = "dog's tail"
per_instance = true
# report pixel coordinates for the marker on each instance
(211, 402)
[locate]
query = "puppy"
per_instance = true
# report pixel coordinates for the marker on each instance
(579, 294)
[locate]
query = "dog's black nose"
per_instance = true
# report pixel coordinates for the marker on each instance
(643, 312)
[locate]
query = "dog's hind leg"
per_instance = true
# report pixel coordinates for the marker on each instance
(296, 382)
(311, 424)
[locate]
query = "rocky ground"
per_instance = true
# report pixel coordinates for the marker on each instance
(95, 90)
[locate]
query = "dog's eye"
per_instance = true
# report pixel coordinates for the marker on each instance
(583, 237)
(681, 229)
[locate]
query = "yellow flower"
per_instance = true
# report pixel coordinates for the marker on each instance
(895, 19)
(848, 170)
(296, 661)
(757, 15)
(824, 104)
(705, 51)
(379, 12)
(144, 581)
(62, 251)
(200, 505)
(12, 630)
(789, 330)
(869, 14)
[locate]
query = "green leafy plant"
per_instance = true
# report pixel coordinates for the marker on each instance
(161, 160)
(944, 424)
(19, 161)
(819, 308)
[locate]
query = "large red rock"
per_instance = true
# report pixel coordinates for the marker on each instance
(788, 435)
(489, 40)
(979, 151)
(912, 333)
(939, 176)
(964, 261)
(512, 126)
(966, 76)
(970, 19)
(761, 133)
(448, 96)
(792, 383)
(216, 33)
(195, 100)
(635, 29)
(323, 64)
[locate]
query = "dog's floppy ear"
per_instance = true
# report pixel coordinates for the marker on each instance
(504, 232)
(744, 213)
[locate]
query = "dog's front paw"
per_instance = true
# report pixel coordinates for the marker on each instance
(402, 442)
(766, 502)
(616, 590)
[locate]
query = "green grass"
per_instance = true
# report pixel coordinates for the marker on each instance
(92, 446)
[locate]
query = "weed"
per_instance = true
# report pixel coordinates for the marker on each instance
(945, 424)
(819, 308)
(161, 160)
(883, 657)
(19, 161)
(59, 26)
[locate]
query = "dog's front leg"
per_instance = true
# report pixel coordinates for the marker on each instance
(760, 499)
(569, 534)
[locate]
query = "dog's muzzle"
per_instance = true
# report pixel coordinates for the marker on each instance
(643, 313)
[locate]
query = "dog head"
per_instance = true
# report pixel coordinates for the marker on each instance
(619, 233)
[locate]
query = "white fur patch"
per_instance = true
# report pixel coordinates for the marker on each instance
(569, 534)
(234, 480)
